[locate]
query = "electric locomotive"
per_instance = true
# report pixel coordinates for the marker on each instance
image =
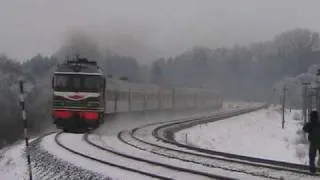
(78, 95)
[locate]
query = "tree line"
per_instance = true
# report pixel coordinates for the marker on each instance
(242, 71)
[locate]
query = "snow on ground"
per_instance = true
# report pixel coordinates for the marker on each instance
(115, 144)
(49, 144)
(12, 164)
(113, 125)
(257, 134)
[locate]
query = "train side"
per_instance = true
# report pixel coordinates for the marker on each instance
(122, 96)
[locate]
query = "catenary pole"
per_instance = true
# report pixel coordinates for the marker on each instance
(305, 102)
(24, 118)
(283, 106)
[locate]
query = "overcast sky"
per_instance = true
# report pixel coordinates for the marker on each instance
(148, 28)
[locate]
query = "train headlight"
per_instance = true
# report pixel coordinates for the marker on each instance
(62, 114)
(89, 115)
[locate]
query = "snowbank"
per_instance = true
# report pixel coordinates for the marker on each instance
(12, 165)
(257, 134)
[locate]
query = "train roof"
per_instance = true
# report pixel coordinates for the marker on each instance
(79, 66)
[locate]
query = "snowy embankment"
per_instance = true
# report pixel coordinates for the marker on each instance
(257, 134)
(12, 164)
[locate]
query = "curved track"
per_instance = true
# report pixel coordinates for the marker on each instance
(166, 132)
(154, 153)
(106, 162)
(52, 158)
(192, 172)
(260, 166)
(46, 165)
(171, 170)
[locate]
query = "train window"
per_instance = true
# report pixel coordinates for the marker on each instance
(122, 95)
(76, 82)
(138, 95)
(91, 82)
(85, 83)
(60, 82)
(110, 95)
(133, 95)
(149, 97)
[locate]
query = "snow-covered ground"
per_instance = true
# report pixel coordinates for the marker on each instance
(12, 163)
(257, 134)
(119, 122)
(75, 142)
(115, 144)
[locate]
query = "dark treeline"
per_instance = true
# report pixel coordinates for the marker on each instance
(242, 71)
(247, 72)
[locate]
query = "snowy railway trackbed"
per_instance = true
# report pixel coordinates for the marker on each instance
(129, 162)
(165, 133)
(148, 152)
(46, 165)
(157, 143)
(53, 161)
(91, 157)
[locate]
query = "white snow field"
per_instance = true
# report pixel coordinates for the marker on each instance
(115, 144)
(75, 142)
(12, 163)
(257, 134)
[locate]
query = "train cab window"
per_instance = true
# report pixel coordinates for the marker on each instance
(76, 81)
(73, 82)
(60, 82)
(92, 82)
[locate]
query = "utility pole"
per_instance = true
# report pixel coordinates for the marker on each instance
(317, 91)
(23, 87)
(305, 101)
(317, 99)
(283, 105)
(310, 101)
(24, 118)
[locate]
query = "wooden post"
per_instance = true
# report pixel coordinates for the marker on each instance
(283, 106)
(129, 100)
(25, 122)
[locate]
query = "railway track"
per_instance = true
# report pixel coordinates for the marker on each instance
(157, 139)
(172, 171)
(50, 165)
(165, 133)
(45, 165)
(155, 163)
(251, 166)
(106, 162)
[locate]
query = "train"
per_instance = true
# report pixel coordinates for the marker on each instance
(83, 96)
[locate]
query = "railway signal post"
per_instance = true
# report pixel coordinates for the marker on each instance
(283, 105)
(24, 118)
(305, 101)
(318, 91)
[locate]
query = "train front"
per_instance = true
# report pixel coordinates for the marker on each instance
(78, 100)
